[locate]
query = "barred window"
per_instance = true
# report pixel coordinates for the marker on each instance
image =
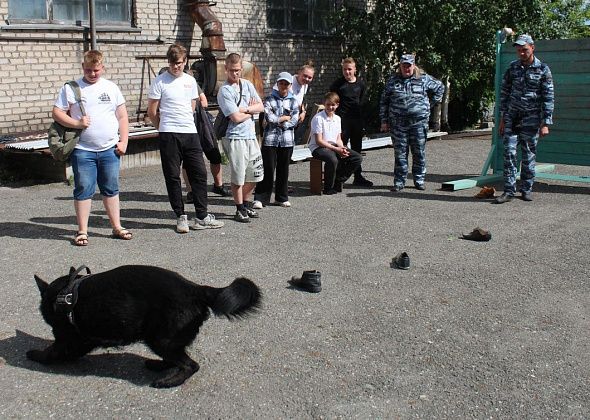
(309, 16)
(111, 12)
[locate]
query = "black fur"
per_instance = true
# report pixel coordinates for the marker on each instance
(140, 303)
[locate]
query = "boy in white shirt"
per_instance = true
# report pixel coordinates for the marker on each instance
(326, 144)
(171, 104)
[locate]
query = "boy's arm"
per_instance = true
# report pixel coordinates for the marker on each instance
(152, 112)
(123, 119)
(62, 117)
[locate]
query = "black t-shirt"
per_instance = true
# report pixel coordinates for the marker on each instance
(351, 95)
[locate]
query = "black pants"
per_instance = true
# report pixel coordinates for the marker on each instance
(275, 158)
(184, 149)
(337, 168)
(352, 129)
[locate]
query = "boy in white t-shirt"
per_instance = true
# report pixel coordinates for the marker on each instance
(103, 140)
(171, 104)
(326, 144)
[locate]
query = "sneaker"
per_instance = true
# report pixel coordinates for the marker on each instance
(396, 188)
(208, 222)
(253, 214)
(221, 190)
(504, 198)
(420, 186)
(189, 198)
(338, 186)
(257, 204)
(182, 224)
(331, 191)
(361, 181)
(282, 203)
(242, 218)
(527, 196)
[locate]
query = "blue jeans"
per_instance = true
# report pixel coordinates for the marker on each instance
(91, 168)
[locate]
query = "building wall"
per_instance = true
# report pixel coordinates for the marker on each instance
(35, 61)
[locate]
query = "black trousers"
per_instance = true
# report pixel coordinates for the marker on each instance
(184, 149)
(352, 129)
(275, 159)
(337, 168)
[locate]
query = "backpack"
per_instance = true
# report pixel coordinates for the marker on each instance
(221, 121)
(62, 140)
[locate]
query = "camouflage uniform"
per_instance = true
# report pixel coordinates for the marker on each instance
(526, 103)
(405, 108)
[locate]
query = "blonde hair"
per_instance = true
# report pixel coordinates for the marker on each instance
(348, 60)
(308, 65)
(92, 58)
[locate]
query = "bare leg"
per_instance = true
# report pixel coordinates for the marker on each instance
(247, 189)
(236, 192)
(111, 205)
(82, 208)
(217, 174)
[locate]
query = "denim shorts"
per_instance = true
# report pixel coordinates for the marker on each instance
(91, 168)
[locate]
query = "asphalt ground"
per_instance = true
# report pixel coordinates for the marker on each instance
(496, 329)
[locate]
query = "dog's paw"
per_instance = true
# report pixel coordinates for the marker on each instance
(37, 356)
(158, 365)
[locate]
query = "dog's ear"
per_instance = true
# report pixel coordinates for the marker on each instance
(41, 284)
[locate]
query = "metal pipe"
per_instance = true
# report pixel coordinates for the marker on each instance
(92, 23)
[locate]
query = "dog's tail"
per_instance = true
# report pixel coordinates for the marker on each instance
(238, 300)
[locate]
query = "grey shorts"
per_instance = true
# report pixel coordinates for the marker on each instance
(245, 160)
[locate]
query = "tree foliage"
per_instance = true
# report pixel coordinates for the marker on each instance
(453, 39)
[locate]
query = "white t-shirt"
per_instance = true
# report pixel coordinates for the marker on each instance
(175, 95)
(100, 101)
(329, 127)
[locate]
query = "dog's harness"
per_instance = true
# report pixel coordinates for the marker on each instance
(68, 297)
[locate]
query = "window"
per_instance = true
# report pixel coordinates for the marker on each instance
(299, 15)
(117, 12)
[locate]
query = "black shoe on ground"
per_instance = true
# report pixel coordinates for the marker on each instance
(527, 196)
(189, 198)
(241, 217)
(331, 191)
(402, 261)
(310, 281)
(396, 188)
(478, 234)
(504, 198)
(420, 187)
(221, 190)
(338, 186)
(361, 181)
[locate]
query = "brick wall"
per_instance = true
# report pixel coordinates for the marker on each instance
(35, 62)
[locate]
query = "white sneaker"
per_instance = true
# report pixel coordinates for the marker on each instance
(256, 204)
(208, 222)
(182, 224)
(283, 203)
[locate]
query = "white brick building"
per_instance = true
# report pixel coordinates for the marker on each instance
(42, 43)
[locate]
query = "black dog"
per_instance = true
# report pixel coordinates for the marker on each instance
(136, 303)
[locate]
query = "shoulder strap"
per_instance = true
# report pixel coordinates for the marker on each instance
(77, 94)
(239, 97)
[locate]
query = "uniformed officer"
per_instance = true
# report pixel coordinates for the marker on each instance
(404, 110)
(526, 107)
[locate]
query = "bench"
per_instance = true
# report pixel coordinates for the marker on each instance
(316, 168)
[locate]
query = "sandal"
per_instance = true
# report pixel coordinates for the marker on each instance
(122, 233)
(81, 239)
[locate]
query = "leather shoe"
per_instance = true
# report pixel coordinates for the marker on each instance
(504, 198)
(527, 196)
(486, 192)
(310, 281)
(402, 261)
(478, 234)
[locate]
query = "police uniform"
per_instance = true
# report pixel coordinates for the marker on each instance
(405, 108)
(526, 103)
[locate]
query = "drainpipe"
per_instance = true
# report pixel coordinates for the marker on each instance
(92, 22)
(212, 35)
